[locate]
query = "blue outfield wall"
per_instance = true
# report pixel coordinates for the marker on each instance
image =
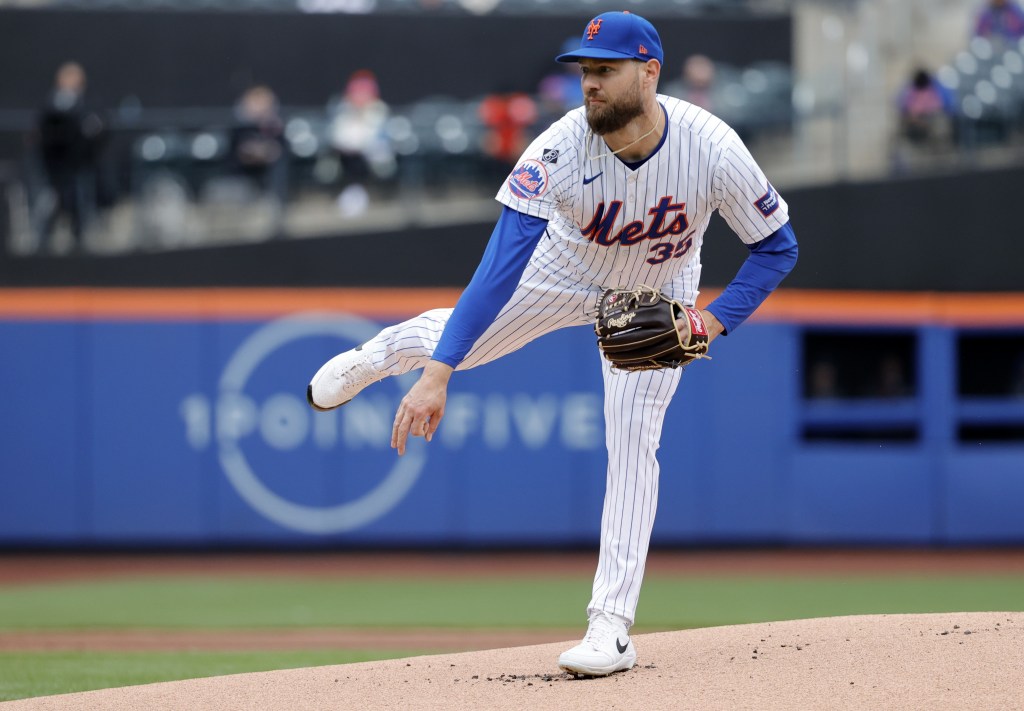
(179, 432)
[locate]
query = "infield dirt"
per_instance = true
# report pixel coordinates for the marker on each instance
(947, 660)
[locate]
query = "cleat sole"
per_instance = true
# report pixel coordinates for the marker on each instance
(309, 399)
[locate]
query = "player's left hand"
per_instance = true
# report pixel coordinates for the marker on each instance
(422, 408)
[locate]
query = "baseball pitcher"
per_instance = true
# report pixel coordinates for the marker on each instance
(602, 224)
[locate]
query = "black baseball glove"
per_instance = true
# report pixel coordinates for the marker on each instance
(636, 330)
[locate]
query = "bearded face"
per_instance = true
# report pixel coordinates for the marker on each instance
(616, 112)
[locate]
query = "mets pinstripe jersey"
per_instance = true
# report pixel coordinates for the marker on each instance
(620, 226)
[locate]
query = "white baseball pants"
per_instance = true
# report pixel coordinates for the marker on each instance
(634, 410)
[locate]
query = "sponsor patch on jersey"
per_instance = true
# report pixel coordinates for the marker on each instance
(550, 155)
(768, 203)
(529, 180)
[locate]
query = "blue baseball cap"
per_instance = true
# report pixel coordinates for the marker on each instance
(617, 35)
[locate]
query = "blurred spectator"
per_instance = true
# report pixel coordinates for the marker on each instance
(507, 118)
(1000, 20)
(356, 134)
(926, 109)
(561, 91)
(258, 144)
(824, 380)
(69, 137)
(696, 83)
(892, 380)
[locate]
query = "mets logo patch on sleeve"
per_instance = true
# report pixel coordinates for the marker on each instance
(529, 180)
(768, 203)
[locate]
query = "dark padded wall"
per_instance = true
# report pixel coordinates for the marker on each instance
(190, 59)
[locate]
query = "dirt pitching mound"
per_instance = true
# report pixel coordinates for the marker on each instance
(958, 660)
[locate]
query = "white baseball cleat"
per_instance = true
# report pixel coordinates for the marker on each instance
(605, 649)
(341, 379)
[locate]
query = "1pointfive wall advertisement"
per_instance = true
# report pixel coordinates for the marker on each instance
(135, 417)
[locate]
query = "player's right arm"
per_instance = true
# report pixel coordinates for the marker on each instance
(529, 197)
(512, 242)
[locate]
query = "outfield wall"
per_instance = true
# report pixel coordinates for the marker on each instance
(178, 417)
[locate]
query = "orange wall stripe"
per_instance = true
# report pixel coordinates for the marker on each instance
(896, 308)
(226, 304)
(786, 305)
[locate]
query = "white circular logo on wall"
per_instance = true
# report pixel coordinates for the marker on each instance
(347, 516)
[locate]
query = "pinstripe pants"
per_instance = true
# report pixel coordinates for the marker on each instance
(634, 410)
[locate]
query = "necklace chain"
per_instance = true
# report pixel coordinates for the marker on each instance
(654, 127)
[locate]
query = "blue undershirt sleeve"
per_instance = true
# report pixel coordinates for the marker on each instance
(512, 242)
(769, 261)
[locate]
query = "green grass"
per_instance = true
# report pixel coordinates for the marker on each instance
(711, 602)
(27, 674)
(667, 602)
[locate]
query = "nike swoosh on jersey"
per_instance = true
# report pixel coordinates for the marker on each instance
(588, 181)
